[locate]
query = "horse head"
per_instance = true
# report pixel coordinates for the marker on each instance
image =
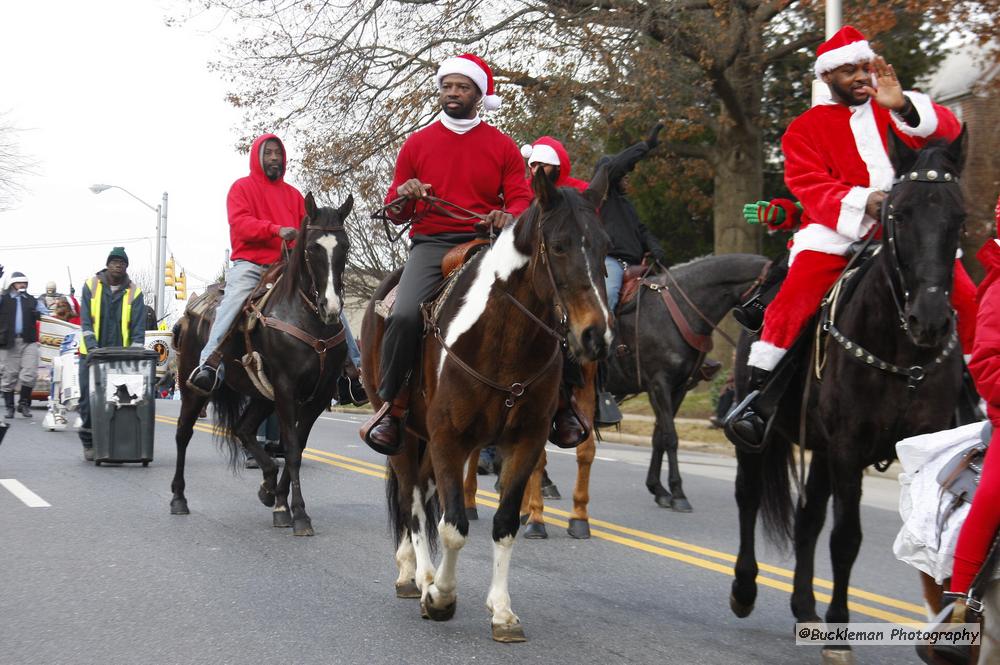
(567, 243)
(323, 245)
(923, 219)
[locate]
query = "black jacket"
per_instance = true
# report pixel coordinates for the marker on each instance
(29, 318)
(630, 239)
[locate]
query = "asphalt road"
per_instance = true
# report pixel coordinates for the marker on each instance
(104, 574)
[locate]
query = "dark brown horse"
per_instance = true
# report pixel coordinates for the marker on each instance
(300, 340)
(892, 370)
(506, 319)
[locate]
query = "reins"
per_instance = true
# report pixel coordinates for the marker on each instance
(446, 208)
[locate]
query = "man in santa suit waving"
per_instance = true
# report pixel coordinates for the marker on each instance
(837, 165)
(462, 160)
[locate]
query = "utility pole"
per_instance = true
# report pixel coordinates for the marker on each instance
(161, 260)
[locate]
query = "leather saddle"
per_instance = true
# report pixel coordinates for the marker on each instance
(457, 256)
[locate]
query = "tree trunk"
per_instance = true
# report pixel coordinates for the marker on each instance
(739, 180)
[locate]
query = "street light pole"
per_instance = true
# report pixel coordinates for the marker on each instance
(159, 304)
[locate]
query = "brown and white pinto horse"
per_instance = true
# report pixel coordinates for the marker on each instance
(513, 307)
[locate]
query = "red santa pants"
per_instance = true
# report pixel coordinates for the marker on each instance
(809, 278)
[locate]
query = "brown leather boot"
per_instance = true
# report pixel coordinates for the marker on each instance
(384, 431)
(569, 427)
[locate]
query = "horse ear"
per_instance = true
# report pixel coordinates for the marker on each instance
(957, 149)
(345, 210)
(311, 210)
(598, 189)
(545, 191)
(901, 155)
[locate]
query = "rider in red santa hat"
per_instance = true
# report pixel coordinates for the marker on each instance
(837, 165)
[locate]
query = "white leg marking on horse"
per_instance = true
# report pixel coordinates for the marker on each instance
(597, 295)
(498, 599)
(499, 263)
(329, 243)
(425, 566)
(442, 592)
(406, 559)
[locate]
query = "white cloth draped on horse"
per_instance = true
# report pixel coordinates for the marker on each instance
(927, 540)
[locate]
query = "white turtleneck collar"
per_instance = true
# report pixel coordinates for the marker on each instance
(459, 125)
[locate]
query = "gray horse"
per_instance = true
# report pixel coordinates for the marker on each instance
(666, 362)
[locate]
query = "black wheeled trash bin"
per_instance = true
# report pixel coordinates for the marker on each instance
(122, 404)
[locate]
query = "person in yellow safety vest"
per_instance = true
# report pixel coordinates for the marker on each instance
(112, 314)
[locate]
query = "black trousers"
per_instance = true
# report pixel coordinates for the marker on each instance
(404, 327)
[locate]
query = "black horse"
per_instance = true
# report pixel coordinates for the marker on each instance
(892, 370)
(300, 341)
(713, 284)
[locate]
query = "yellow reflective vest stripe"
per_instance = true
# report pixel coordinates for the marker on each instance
(96, 299)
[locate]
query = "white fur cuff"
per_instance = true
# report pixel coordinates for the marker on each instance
(765, 355)
(928, 117)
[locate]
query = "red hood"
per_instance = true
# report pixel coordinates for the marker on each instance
(989, 257)
(256, 168)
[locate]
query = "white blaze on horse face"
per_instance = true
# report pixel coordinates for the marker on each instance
(498, 598)
(597, 295)
(329, 243)
(499, 262)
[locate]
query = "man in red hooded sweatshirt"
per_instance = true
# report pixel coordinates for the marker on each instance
(263, 210)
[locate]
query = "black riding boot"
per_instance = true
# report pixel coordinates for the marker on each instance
(384, 431)
(744, 422)
(569, 427)
(8, 400)
(24, 405)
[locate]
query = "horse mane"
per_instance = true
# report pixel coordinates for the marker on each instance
(291, 276)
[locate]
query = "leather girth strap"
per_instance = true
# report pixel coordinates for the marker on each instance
(701, 343)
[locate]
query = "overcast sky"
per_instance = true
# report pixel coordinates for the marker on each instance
(107, 93)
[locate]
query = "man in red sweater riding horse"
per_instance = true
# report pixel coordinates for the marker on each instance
(460, 159)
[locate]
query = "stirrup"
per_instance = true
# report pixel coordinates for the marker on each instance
(218, 380)
(735, 414)
(387, 409)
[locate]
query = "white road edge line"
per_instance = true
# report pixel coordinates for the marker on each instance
(27, 497)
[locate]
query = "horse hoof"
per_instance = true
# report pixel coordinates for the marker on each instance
(663, 500)
(281, 519)
(741, 610)
(407, 590)
(508, 633)
(535, 531)
(266, 496)
(681, 505)
(833, 656)
(434, 614)
(471, 514)
(579, 529)
(551, 492)
(179, 507)
(303, 527)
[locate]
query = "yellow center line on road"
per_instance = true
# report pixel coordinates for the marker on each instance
(552, 515)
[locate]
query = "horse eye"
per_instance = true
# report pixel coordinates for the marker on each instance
(558, 248)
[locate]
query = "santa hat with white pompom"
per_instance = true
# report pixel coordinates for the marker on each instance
(471, 65)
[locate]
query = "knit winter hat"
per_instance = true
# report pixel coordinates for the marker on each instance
(117, 253)
(16, 277)
(847, 47)
(471, 65)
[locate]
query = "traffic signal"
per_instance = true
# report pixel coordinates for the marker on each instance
(180, 286)
(168, 273)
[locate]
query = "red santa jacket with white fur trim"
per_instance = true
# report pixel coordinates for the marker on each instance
(837, 155)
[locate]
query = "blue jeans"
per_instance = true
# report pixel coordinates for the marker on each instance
(613, 282)
(353, 352)
(240, 281)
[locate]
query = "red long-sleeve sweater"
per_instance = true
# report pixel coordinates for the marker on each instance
(481, 170)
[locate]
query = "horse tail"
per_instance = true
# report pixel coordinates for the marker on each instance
(776, 491)
(397, 520)
(228, 405)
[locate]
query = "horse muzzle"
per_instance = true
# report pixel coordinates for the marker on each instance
(591, 344)
(929, 319)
